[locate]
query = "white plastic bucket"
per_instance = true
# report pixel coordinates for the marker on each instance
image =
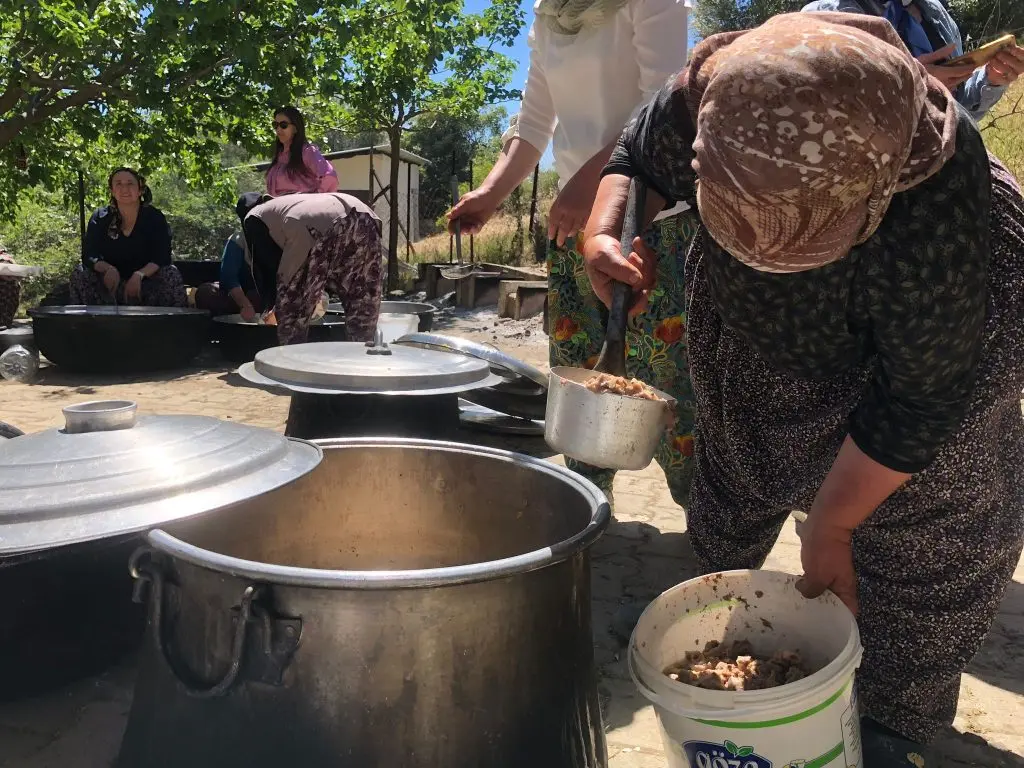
(394, 327)
(812, 723)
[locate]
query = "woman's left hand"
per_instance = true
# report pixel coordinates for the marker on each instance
(133, 288)
(826, 553)
(1006, 67)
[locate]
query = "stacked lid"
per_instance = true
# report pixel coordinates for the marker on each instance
(109, 472)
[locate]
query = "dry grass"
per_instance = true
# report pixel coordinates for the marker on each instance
(497, 244)
(1003, 129)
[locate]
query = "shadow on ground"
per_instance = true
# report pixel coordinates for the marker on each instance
(209, 361)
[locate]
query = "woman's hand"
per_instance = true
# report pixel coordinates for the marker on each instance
(133, 288)
(473, 210)
(1006, 67)
(951, 77)
(571, 209)
(248, 312)
(853, 489)
(826, 553)
(111, 279)
(605, 264)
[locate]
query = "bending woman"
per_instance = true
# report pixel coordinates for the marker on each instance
(127, 254)
(301, 245)
(593, 64)
(855, 298)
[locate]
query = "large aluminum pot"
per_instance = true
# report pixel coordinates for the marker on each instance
(408, 603)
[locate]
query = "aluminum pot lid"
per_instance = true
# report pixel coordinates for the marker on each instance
(109, 472)
(367, 367)
(504, 365)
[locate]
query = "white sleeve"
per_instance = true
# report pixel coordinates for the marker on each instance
(536, 120)
(660, 34)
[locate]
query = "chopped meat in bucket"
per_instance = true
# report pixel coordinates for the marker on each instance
(735, 667)
(618, 385)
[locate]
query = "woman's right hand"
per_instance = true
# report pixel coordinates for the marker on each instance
(248, 312)
(605, 264)
(111, 279)
(472, 211)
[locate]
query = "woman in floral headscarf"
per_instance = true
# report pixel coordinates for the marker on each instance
(593, 63)
(855, 298)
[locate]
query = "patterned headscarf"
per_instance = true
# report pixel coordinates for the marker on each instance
(806, 128)
(570, 17)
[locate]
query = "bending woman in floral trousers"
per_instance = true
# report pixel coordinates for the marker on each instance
(301, 245)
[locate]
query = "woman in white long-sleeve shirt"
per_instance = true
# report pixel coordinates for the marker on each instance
(593, 64)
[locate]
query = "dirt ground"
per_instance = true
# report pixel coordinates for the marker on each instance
(643, 553)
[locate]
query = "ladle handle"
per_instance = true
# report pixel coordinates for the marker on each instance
(618, 313)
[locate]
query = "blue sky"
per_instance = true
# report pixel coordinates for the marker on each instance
(519, 52)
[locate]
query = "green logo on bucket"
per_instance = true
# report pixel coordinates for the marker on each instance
(704, 754)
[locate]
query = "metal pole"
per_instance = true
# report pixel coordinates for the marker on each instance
(533, 198)
(472, 252)
(81, 209)
(408, 211)
(370, 199)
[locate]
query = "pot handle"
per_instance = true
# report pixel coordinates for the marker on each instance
(145, 571)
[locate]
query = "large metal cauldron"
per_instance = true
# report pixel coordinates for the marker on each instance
(100, 339)
(407, 604)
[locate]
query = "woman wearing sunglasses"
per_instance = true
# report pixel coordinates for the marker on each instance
(297, 165)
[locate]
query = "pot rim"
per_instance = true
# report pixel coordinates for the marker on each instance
(288, 575)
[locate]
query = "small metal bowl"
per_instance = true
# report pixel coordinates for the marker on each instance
(601, 428)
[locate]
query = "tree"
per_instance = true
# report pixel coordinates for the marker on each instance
(412, 58)
(983, 20)
(447, 142)
(88, 81)
(711, 17)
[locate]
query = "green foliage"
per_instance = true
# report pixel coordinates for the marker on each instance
(449, 142)
(711, 17)
(44, 233)
(983, 20)
(98, 83)
(411, 58)
(408, 58)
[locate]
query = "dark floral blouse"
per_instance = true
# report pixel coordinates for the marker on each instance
(914, 295)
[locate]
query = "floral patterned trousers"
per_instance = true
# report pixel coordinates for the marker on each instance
(347, 262)
(655, 341)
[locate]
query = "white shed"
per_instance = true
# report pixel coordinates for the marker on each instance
(365, 173)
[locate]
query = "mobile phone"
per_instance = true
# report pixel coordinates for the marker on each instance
(979, 57)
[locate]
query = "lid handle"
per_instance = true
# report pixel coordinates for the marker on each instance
(99, 416)
(377, 346)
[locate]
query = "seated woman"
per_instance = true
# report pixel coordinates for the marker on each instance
(855, 297)
(296, 164)
(236, 292)
(127, 255)
(301, 245)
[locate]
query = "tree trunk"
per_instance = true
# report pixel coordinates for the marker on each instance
(395, 135)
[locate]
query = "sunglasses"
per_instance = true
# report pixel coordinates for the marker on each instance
(282, 125)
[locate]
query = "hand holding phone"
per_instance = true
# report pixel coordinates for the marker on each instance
(979, 57)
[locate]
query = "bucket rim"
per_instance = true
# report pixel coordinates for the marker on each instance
(737, 706)
(297, 576)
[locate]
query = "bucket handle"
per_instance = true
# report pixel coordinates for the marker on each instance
(145, 570)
